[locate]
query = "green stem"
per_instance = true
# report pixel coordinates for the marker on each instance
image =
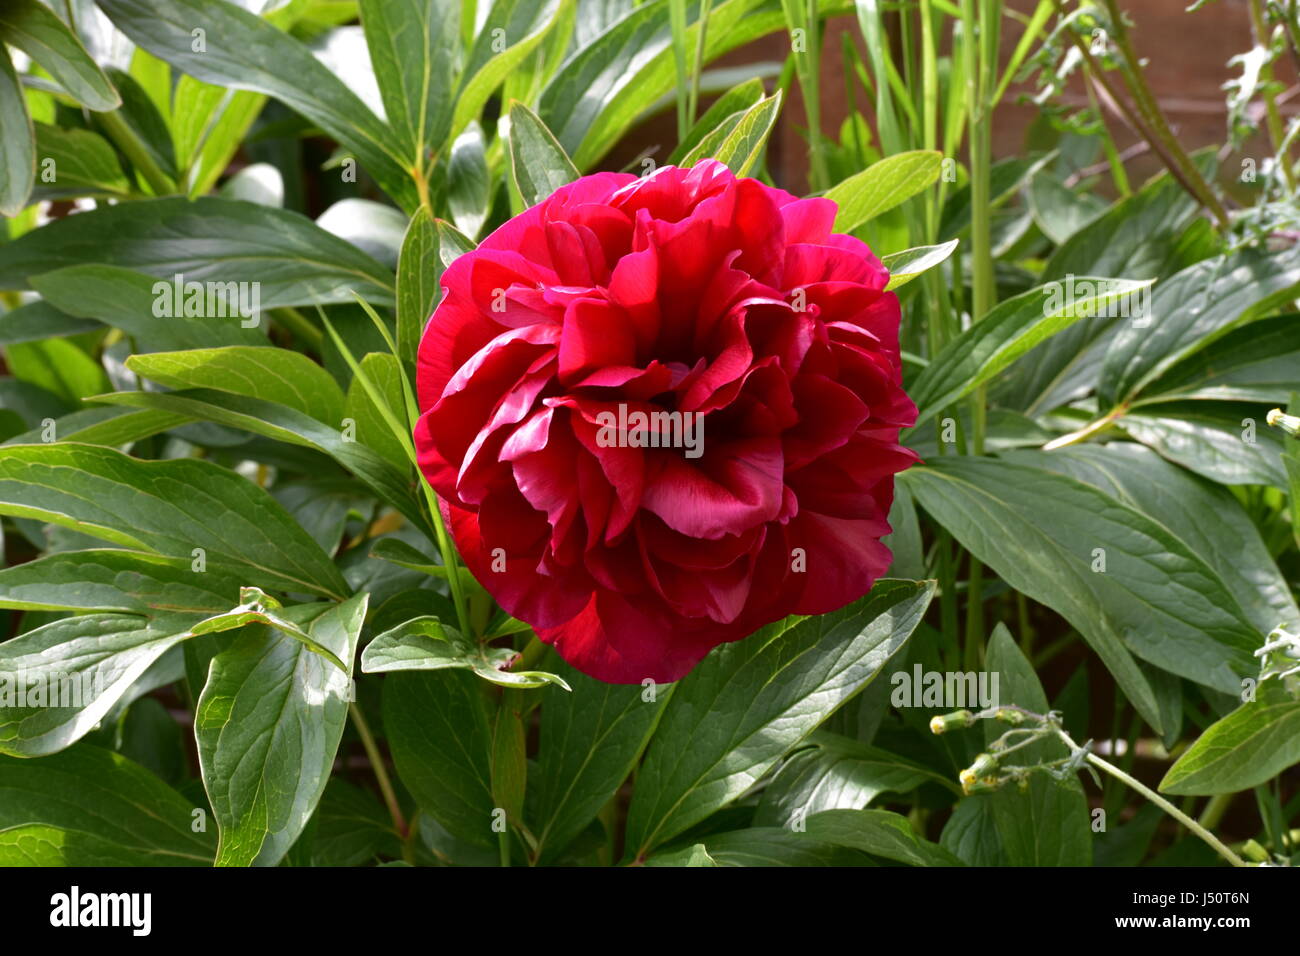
(299, 326)
(700, 44)
(136, 152)
(1085, 432)
(1276, 133)
(380, 769)
(1200, 831)
(1215, 809)
(1155, 117)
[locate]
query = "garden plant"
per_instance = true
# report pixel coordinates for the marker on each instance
(441, 433)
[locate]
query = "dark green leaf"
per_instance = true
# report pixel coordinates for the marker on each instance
(590, 741)
(290, 259)
(438, 733)
(1010, 330)
(244, 52)
(132, 301)
(92, 807)
(1047, 824)
(1044, 533)
(748, 703)
(168, 507)
(33, 28)
(879, 833)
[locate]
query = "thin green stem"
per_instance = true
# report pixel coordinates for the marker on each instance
(701, 44)
(1219, 846)
(299, 326)
(1155, 117)
(380, 769)
(1276, 132)
(130, 144)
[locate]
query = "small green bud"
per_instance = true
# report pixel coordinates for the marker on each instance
(1253, 851)
(985, 765)
(957, 720)
(1008, 716)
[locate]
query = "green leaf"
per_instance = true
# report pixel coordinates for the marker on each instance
(208, 127)
(243, 52)
(696, 855)
(1205, 516)
(1048, 823)
(1010, 330)
(1190, 311)
(748, 703)
(271, 374)
(439, 737)
(258, 607)
(131, 301)
(740, 148)
(523, 24)
(351, 827)
(1040, 531)
(882, 186)
(972, 834)
(39, 320)
(907, 265)
(413, 47)
(1139, 237)
(141, 132)
(469, 183)
(34, 28)
(109, 580)
(284, 424)
(591, 739)
(104, 426)
(539, 163)
(426, 644)
(291, 259)
(720, 118)
(385, 372)
(58, 366)
(879, 833)
(603, 89)
(418, 271)
(838, 773)
(1254, 363)
(762, 846)
(17, 141)
(80, 666)
(1249, 747)
(1059, 211)
(84, 164)
(92, 807)
(1227, 442)
(268, 725)
(167, 507)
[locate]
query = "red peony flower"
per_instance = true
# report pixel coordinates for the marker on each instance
(663, 412)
